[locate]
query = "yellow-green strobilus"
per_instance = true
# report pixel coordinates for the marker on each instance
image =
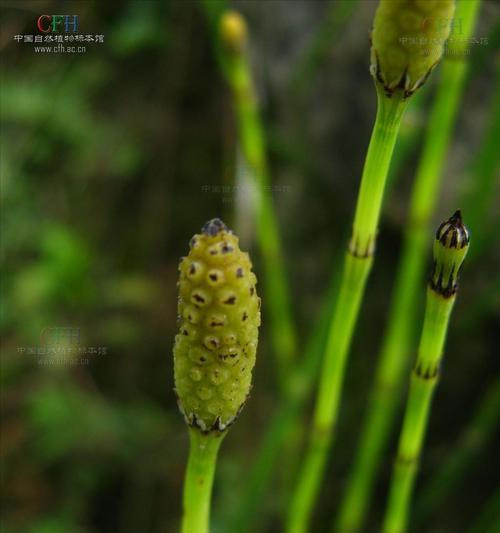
(214, 354)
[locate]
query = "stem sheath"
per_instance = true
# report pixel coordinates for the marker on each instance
(393, 360)
(422, 384)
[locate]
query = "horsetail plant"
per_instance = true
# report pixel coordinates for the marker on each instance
(214, 355)
(233, 33)
(469, 446)
(398, 71)
(395, 350)
(287, 416)
(480, 195)
(450, 248)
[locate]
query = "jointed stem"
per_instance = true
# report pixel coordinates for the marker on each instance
(378, 159)
(383, 399)
(357, 265)
(286, 418)
(461, 459)
(356, 271)
(423, 381)
(199, 480)
(252, 142)
(396, 345)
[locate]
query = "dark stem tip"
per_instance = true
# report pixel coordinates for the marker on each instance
(456, 218)
(452, 233)
(213, 227)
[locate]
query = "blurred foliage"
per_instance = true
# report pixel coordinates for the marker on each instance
(108, 163)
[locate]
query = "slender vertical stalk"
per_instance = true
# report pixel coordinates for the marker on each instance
(336, 19)
(422, 384)
(395, 350)
(286, 417)
(450, 248)
(470, 444)
(393, 360)
(488, 519)
(357, 265)
(252, 142)
(405, 469)
(410, 133)
(480, 197)
(199, 479)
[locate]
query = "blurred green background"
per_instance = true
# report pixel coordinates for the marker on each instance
(112, 159)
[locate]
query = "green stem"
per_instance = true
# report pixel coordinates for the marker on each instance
(357, 265)
(422, 384)
(384, 135)
(480, 197)
(386, 392)
(252, 142)
(199, 479)
(470, 445)
(336, 20)
(285, 419)
(412, 127)
(488, 519)
(213, 9)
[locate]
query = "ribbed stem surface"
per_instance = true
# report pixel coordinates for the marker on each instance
(386, 392)
(464, 453)
(199, 480)
(357, 265)
(252, 142)
(423, 381)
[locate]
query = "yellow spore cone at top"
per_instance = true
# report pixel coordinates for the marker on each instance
(219, 313)
(408, 40)
(233, 30)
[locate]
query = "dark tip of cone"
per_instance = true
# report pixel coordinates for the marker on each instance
(213, 227)
(456, 217)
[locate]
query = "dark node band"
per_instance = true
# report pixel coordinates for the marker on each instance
(356, 251)
(447, 291)
(427, 373)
